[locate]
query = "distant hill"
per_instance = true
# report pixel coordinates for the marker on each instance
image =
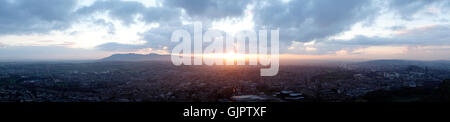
(438, 64)
(137, 57)
(406, 62)
(394, 62)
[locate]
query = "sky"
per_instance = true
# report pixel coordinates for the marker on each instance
(309, 29)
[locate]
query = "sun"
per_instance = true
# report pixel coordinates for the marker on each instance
(226, 57)
(234, 56)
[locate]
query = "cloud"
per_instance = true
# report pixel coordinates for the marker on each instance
(407, 40)
(424, 43)
(128, 48)
(156, 38)
(309, 24)
(26, 17)
(126, 12)
(112, 46)
(35, 16)
(381, 50)
(306, 20)
(210, 9)
(121, 10)
(27, 53)
(306, 26)
(425, 35)
(407, 8)
(160, 37)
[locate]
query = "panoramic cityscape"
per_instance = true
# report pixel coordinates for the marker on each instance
(110, 80)
(261, 51)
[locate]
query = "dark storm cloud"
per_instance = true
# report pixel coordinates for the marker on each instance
(34, 16)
